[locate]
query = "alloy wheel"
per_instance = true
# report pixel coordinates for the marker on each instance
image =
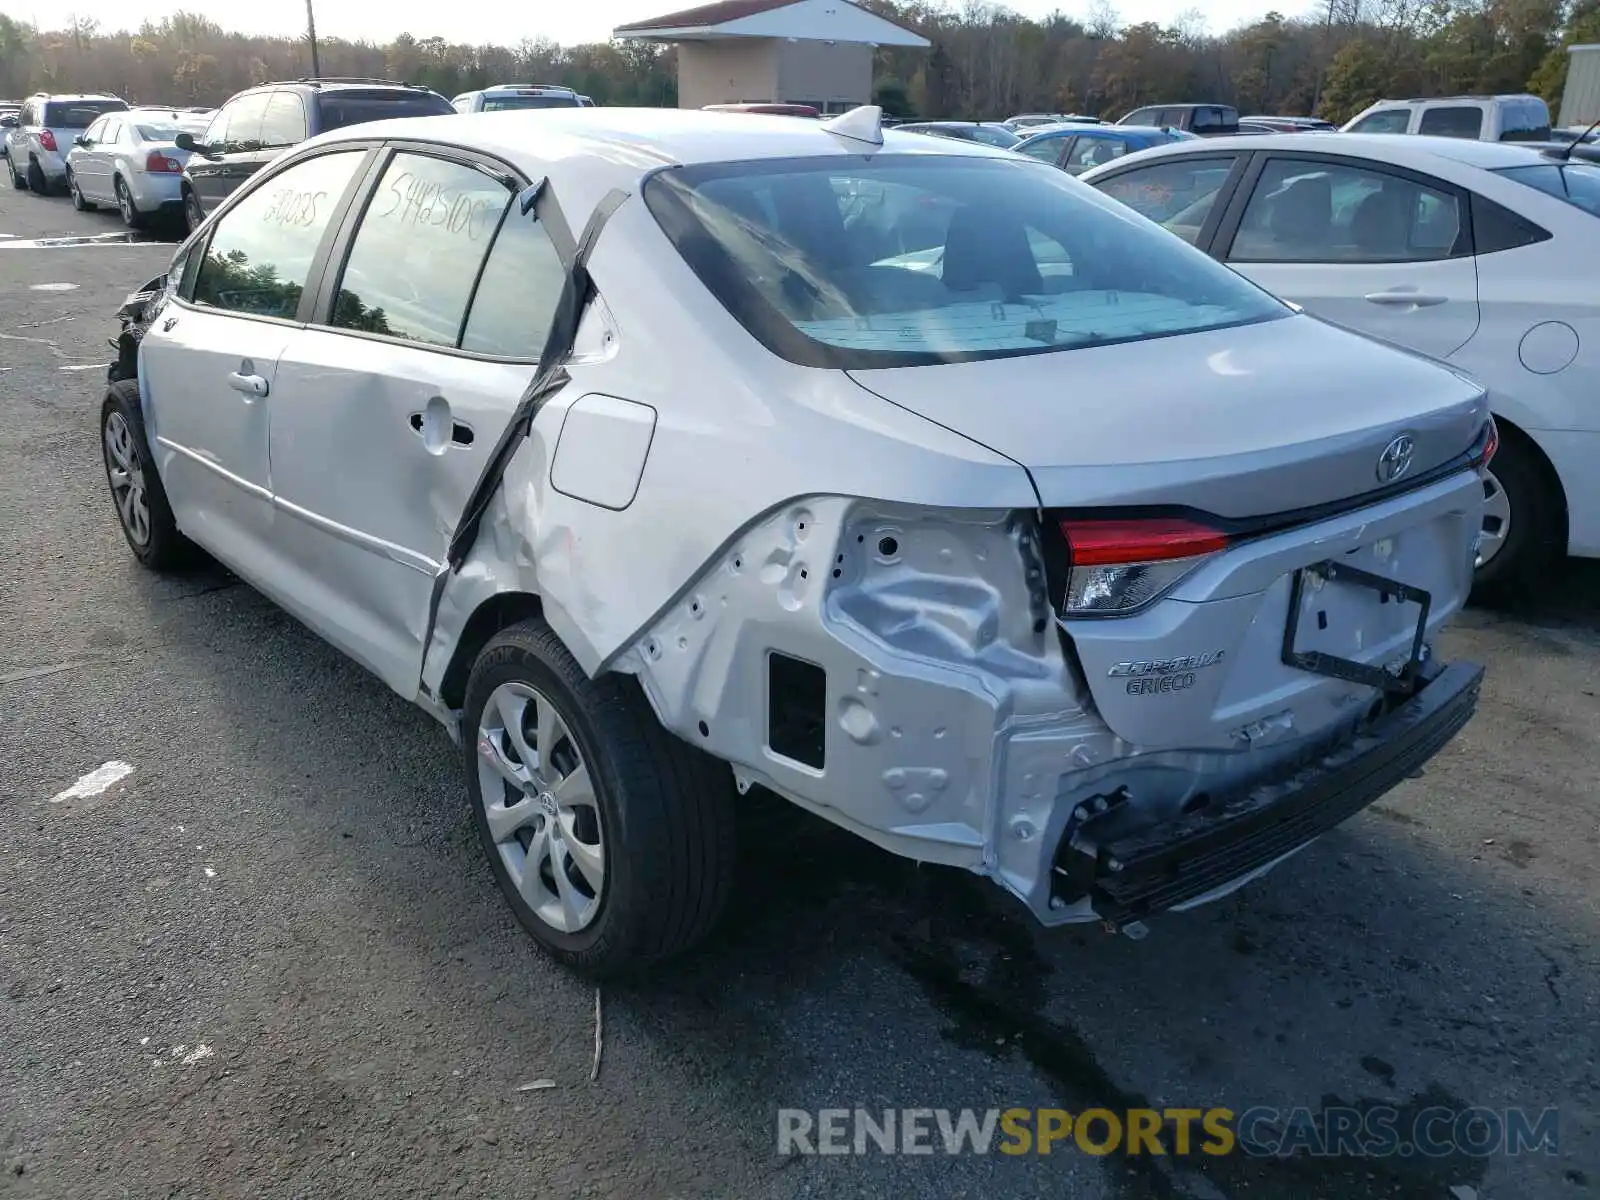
(126, 474)
(1496, 520)
(539, 800)
(125, 203)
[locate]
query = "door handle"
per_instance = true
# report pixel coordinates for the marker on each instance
(1399, 298)
(460, 432)
(249, 385)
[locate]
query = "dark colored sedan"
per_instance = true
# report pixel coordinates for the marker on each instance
(986, 132)
(1076, 148)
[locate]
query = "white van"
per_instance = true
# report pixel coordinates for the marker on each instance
(1480, 118)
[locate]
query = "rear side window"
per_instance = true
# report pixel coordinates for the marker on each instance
(417, 252)
(1452, 120)
(906, 260)
(338, 109)
(1179, 194)
(1495, 227)
(1307, 211)
(1141, 116)
(79, 114)
(1385, 120)
(516, 297)
(1525, 121)
(1213, 119)
(284, 123)
(260, 255)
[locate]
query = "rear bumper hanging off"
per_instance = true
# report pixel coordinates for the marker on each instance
(1139, 874)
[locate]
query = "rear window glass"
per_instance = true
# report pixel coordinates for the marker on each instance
(896, 261)
(157, 133)
(502, 103)
(1525, 121)
(79, 113)
(341, 110)
(1576, 183)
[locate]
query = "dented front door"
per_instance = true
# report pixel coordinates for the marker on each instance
(375, 448)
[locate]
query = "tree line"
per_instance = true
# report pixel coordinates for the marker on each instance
(985, 61)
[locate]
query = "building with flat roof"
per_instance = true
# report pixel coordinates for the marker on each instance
(816, 52)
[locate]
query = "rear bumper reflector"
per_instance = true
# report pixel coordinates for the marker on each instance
(1147, 872)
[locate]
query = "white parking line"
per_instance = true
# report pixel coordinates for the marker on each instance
(95, 782)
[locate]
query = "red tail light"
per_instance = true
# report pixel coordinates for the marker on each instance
(47, 139)
(1491, 443)
(1119, 564)
(1094, 542)
(161, 163)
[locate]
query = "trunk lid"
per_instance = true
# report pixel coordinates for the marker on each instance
(1275, 435)
(1239, 422)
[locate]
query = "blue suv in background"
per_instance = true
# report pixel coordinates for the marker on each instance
(1076, 148)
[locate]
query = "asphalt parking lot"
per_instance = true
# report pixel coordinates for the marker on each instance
(270, 961)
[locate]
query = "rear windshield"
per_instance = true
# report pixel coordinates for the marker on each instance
(897, 260)
(339, 110)
(535, 100)
(79, 114)
(157, 133)
(1576, 183)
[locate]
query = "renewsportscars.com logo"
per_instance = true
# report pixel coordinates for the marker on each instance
(1378, 1131)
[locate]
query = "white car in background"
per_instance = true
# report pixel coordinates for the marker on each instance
(1476, 253)
(129, 159)
(1518, 118)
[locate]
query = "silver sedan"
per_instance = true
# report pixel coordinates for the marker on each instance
(129, 159)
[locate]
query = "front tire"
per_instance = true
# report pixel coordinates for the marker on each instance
(136, 491)
(78, 202)
(1524, 526)
(131, 216)
(611, 839)
(192, 216)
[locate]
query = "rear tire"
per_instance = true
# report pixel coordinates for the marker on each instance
(136, 491)
(17, 181)
(37, 183)
(654, 822)
(1525, 526)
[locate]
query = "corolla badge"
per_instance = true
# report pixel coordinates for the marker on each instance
(1395, 460)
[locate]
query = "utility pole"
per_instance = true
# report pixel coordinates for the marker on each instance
(311, 29)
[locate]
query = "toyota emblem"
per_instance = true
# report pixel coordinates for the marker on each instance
(1395, 460)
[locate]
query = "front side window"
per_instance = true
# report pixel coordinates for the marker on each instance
(417, 251)
(244, 124)
(260, 256)
(1045, 149)
(95, 132)
(1576, 183)
(284, 123)
(1178, 194)
(898, 261)
(1089, 151)
(1452, 120)
(1304, 211)
(1211, 119)
(991, 135)
(1385, 120)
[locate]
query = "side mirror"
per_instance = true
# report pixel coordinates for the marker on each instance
(185, 141)
(81, 140)
(9, 121)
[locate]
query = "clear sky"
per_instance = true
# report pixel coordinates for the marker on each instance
(566, 21)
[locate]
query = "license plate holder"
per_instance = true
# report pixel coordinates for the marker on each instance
(1319, 662)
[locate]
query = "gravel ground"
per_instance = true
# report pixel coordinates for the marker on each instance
(270, 962)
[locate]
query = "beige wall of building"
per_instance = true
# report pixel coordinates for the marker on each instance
(726, 71)
(835, 74)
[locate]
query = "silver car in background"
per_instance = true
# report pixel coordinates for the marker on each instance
(129, 160)
(46, 128)
(665, 457)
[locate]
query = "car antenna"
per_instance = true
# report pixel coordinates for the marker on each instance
(863, 124)
(1565, 153)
